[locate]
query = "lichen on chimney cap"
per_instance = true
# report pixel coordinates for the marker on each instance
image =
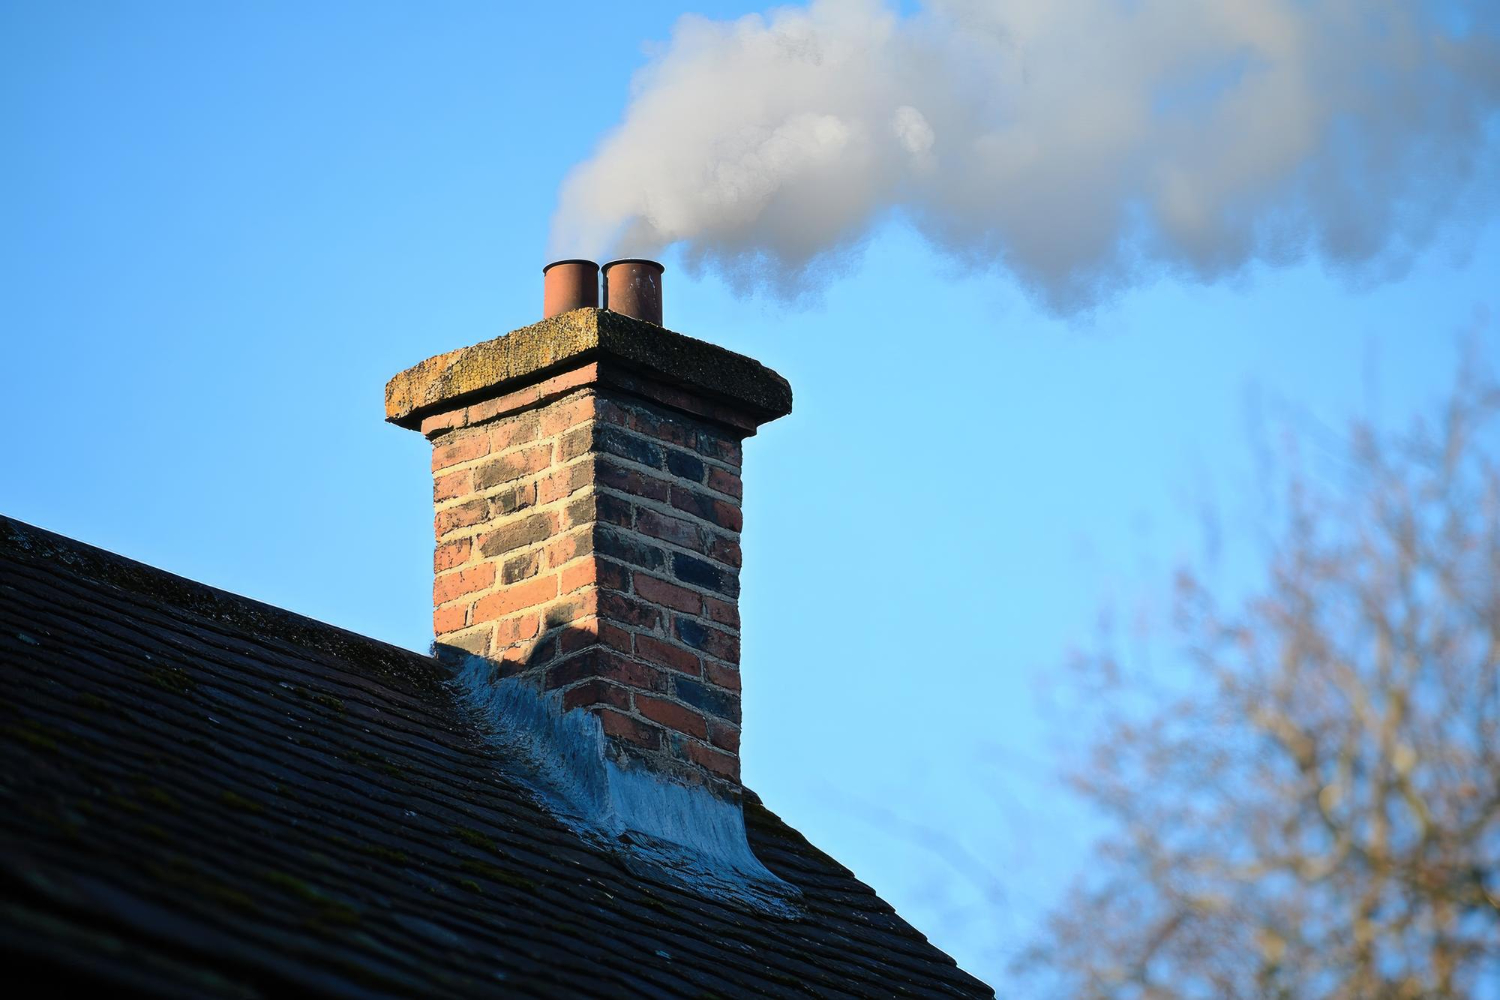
(577, 337)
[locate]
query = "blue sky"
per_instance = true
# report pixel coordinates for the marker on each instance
(223, 227)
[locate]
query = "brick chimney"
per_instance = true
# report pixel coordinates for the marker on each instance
(586, 485)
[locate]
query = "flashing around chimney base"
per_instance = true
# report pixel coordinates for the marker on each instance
(689, 834)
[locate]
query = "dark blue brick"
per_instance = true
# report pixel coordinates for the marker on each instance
(714, 701)
(702, 573)
(636, 449)
(692, 633)
(680, 463)
(628, 548)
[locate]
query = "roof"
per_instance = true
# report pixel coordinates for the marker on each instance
(575, 337)
(202, 795)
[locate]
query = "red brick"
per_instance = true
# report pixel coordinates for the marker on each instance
(641, 676)
(456, 583)
(565, 413)
(462, 516)
(668, 595)
(564, 482)
(564, 383)
(722, 674)
(522, 656)
(518, 534)
(553, 486)
(451, 554)
(583, 573)
(597, 661)
(622, 609)
(625, 727)
(724, 735)
(594, 632)
(666, 655)
(517, 430)
(725, 482)
(725, 550)
(614, 637)
(570, 547)
(466, 447)
(596, 692)
(672, 715)
(595, 507)
(449, 619)
(452, 485)
(519, 628)
(580, 635)
(491, 409)
(522, 399)
(577, 606)
(522, 595)
(723, 612)
(439, 422)
(512, 466)
(722, 764)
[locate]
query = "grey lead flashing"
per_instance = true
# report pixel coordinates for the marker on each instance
(688, 835)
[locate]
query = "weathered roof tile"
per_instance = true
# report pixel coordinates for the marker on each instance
(201, 795)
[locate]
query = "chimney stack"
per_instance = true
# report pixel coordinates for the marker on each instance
(586, 483)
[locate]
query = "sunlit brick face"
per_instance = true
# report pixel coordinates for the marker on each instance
(588, 542)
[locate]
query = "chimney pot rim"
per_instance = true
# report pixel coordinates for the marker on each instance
(660, 267)
(567, 260)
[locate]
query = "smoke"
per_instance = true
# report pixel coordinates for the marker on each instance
(1082, 145)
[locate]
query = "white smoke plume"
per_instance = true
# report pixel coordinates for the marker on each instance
(1082, 145)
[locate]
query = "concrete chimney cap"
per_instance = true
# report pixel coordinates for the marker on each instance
(535, 352)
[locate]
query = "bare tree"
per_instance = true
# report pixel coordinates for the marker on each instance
(1314, 811)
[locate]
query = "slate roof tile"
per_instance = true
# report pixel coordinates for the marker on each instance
(201, 795)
